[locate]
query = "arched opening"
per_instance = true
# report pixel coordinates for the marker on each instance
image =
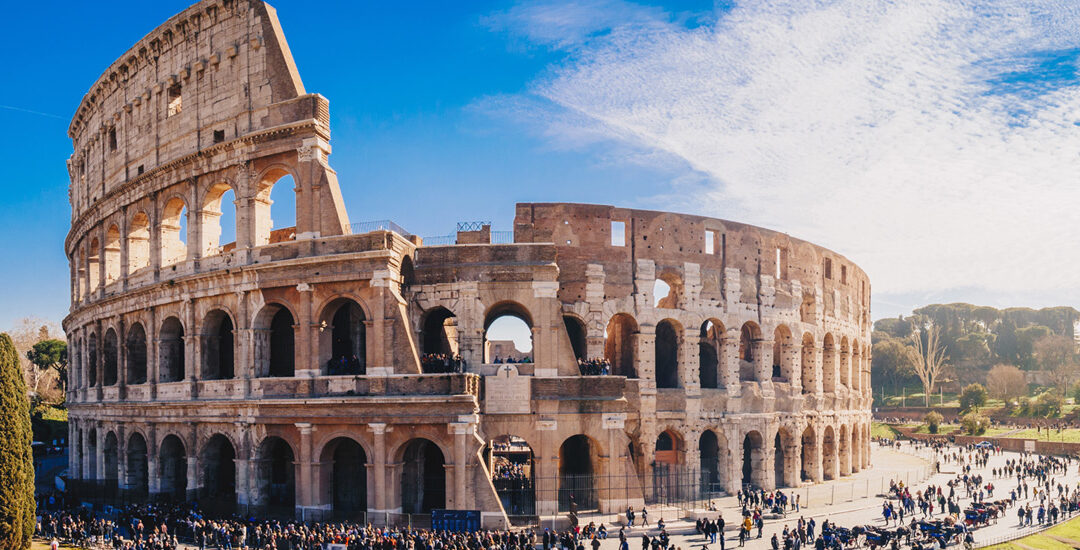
(856, 448)
(92, 360)
(845, 363)
(439, 341)
(343, 341)
(423, 478)
(749, 336)
(713, 452)
(275, 351)
(619, 344)
(708, 357)
(219, 220)
(785, 459)
(778, 461)
(218, 347)
(112, 254)
(828, 454)
(110, 456)
(171, 351)
(828, 364)
(93, 265)
(669, 454)
(575, 329)
(844, 452)
(408, 273)
(111, 352)
(667, 354)
(753, 460)
(276, 477)
(508, 334)
(137, 482)
(344, 479)
(576, 480)
(512, 474)
(218, 491)
(282, 347)
(172, 469)
(667, 290)
(856, 366)
(783, 367)
(136, 354)
(138, 242)
(91, 473)
(809, 365)
(809, 451)
(275, 208)
(174, 232)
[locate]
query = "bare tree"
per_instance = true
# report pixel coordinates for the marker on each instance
(1005, 382)
(1057, 354)
(930, 359)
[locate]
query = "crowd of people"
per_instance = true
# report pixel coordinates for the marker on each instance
(509, 471)
(344, 365)
(594, 367)
(499, 360)
(919, 518)
(442, 363)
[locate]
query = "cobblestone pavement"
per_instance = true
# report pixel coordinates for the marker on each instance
(863, 511)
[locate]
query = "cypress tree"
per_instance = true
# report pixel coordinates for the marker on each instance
(17, 508)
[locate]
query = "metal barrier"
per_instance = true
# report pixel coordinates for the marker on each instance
(377, 225)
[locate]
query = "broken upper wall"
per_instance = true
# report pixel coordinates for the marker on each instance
(210, 74)
(583, 235)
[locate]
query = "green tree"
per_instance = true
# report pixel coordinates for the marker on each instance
(973, 396)
(975, 423)
(17, 506)
(50, 354)
(933, 419)
(1025, 344)
(892, 364)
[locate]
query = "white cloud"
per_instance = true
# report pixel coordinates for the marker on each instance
(892, 132)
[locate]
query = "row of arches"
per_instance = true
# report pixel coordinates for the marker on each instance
(342, 344)
(789, 360)
(214, 472)
(125, 247)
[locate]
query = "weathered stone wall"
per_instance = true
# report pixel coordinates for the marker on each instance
(302, 348)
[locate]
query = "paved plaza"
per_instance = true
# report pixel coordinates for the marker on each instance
(861, 511)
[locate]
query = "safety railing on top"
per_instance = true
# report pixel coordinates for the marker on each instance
(497, 237)
(377, 225)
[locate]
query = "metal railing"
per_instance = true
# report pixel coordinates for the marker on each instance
(440, 240)
(502, 237)
(473, 226)
(377, 225)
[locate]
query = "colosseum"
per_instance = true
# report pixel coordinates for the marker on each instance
(338, 369)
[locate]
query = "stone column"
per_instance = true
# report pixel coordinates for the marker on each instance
(646, 355)
(378, 472)
(728, 358)
(461, 459)
(547, 466)
(304, 489)
(766, 476)
(845, 369)
(243, 465)
(817, 470)
(763, 361)
(690, 362)
(304, 329)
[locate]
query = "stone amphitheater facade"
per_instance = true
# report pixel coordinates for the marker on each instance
(205, 370)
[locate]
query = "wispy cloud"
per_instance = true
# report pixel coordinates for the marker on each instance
(937, 143)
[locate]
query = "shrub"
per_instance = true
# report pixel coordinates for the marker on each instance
(1047, 404)
(972, 397)
(933, 419)
(975, 423)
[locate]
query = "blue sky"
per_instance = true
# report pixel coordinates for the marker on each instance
(934, 144)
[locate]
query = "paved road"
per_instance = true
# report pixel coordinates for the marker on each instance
(859, 512)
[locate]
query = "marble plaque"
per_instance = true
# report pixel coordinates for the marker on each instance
(506, 392)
